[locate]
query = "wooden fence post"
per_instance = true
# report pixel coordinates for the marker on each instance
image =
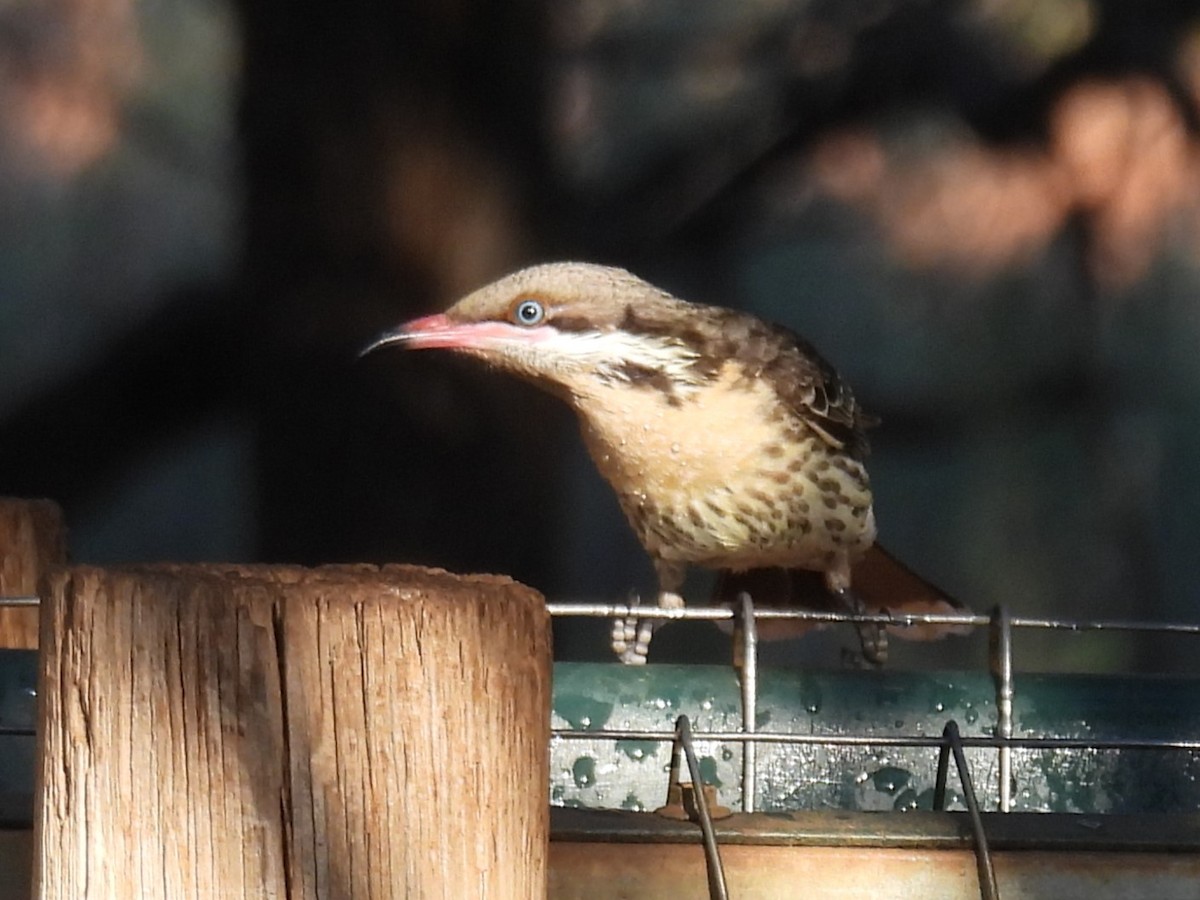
(32, 539)
(281, 732)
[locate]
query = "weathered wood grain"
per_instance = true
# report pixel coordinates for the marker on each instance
(281, 732)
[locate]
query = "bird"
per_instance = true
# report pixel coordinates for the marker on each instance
(730, 442)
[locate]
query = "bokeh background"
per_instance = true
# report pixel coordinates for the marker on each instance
(986, 213)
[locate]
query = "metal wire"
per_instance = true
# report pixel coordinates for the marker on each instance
(749, 701)
(1000, 653)
(20, 601)
(858, 740)
(952, 744)
(717, 889)
(719, 613)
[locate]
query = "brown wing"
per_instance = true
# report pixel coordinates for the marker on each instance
(808, 386)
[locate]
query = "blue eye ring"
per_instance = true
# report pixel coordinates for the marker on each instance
(528, 312)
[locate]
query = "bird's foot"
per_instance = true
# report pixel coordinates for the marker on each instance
(631, 636)
(872, 636)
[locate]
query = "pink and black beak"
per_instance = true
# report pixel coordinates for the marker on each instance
(428, 332)
(439, 331)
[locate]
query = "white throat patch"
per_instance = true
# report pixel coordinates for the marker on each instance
(612, 354)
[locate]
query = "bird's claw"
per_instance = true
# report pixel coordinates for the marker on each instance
(872, 636)
(631, 636)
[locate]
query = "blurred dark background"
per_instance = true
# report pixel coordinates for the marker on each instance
(986, 213)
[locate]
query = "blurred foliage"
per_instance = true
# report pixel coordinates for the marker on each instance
(986, 212)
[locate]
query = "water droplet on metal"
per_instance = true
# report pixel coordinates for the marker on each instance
(584, 771)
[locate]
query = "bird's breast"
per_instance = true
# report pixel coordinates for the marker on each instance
(724, 475)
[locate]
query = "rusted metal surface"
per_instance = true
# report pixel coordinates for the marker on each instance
(604, 854)
(681, 803)
(598, 871)
(1131, 835)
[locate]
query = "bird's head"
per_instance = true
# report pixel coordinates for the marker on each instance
(567, 326)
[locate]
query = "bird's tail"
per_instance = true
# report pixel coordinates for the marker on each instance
(881, 581)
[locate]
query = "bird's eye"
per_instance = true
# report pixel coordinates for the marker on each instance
(528, 312)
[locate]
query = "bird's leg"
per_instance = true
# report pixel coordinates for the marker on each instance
(631, 636)
(871, 635)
